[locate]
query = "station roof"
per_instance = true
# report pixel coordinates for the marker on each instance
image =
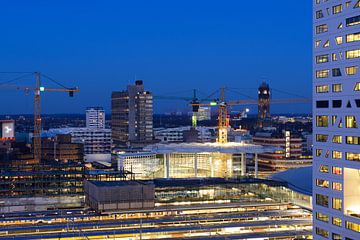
(229, 148)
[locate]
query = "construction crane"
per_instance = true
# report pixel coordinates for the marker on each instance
(38, 89)
(223, 117)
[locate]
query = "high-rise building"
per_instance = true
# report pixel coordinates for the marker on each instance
(95, 117)
(264, 105)
(132, 116)
(336, 86)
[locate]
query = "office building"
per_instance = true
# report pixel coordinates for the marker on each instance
(95, 117)
(288, 152)
(132, 116)
(61, 148)
(336, 86)
(96, 141)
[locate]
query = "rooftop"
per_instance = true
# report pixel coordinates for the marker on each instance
(229, 148)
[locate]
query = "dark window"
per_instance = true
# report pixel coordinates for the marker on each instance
(336, 72)
(357, 101)
(353, 21)
(336, 103)
(322, 104)
(348, 105)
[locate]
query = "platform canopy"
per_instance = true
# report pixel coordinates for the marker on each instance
(228, 148)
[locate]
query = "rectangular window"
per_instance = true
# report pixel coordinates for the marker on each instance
(322, 88)
(352, 226)
(322, 232)
(336, 103)
(322, 183)
(353, 21)
(337, 170)
(351, 70)
(350, 122)
(336, 72)
(337, 204)
(339, 40)
(353, 140)
(337, 221)
(352, 156)
(318, 152)
(322, 58)
(336, 154)
(324, 168)
(353, 37)
(322, 104)
(337, 139)
(322, 217)
(321, 28)
(322, 200)
(337, 87)
(322, 121)
(353, 54)
(319, 14)
(336, 236)
(337, 9)
(321, 137)
(337, 186)
(322, 73)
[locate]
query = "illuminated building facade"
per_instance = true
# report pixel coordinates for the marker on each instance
(189, 160)
(336, 83)
(288, 154)
(95, 117)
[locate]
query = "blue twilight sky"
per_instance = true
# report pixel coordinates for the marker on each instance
(174, 46)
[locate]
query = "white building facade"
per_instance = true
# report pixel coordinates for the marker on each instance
(336, 86)
(95, 117)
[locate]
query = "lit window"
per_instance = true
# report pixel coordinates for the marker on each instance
(321, 137)
(352, 156)
(317, 43)
(357, 86)
(353, 37)
(337, 170)
(340, 26)
(350, 122)
(357, 4)
(322, 183)
(337, 203)
(336, 221)
(334, 56)
(351, 70)
(324, 168)
(352, 140)
(322, 58)
(339, 40)
(322, 88)
(337, 186)
(322, 121)
(337, 88)
(322, 217)
(336, 154)
(322, 232)
(326, 44)
(353, 54)
(322, 73)
(352, 226)
(318, 152)
(337, 139)
(321, 28)
(337, 9)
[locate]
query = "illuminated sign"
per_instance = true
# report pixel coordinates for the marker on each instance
(7, 130)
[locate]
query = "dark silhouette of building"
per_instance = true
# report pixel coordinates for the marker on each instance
(132, 116)
(264, 117)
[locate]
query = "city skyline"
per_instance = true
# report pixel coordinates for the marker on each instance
(168, 45)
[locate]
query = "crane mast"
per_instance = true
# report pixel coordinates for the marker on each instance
(37, 119)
